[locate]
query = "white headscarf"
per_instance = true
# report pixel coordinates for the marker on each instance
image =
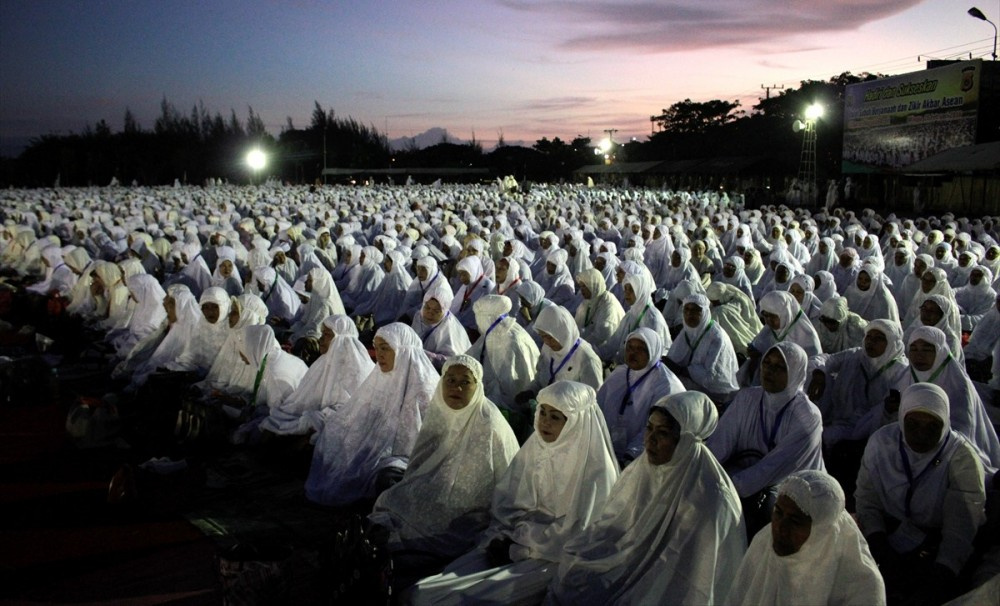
(228, 373)
(443, 501)
(376, 428)
(668, 530)
(278, 372)
(833, 566)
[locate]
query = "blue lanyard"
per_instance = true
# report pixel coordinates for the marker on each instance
(482, 353)
(429, 282)
(631, 387)
(553, 373)
(909, 472)
(769, 437)
(435, 327)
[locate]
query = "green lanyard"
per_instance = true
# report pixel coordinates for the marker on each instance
(937, 372)
(697, 341)
(868, 380)
(789, 329)
(257, 380)
(639, 319)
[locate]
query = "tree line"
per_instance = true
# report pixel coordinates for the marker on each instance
(197, 145)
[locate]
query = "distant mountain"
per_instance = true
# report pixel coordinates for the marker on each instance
(429, 137)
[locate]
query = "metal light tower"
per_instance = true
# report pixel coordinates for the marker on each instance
(807, 159)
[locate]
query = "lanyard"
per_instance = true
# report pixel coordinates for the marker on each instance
(697, 341)
(769, 437)
(435, 327)
(468, 292)
(257, 379)
(641, 316)
(586, 316)
(785, 332)
(868, 380)
(937, 372)
(482, 353)
(512, 285)
(271, 290)
(553, 373)
(631, 387)
(423, 289)
(909, 472)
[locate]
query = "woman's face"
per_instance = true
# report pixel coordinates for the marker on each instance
(864, 281)
(900, 258)
(326, 336)
(550, 267)
(661, 438)
(629, 294)
(875, 343)
(211, 312)
(387, 264)
(422, 273)
(975, 277)
(729, 270)
(584, 290)
(465, 277)
(385, 357)
(930, 313)
(927, 282)
(636, 354)
(226, 268)
(459, 383)
(675, 259)
(431, 312)
(790, 527)
(773, 372)
(919, 267)
(922, 431)
(772, 321)
(549, 340)
(781, 275)
(170, 306)
(550, 422)
(503, 266)
(234, 314)
(921, 355)
(692, 315)
(600, 264)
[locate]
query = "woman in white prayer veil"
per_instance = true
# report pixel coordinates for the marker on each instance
(702, 356)
(147, 315)
(508, 355)
(323, 303)
(442, 503)
(277, 375)
(201, 351)
(940, 312)
(387, 300)
(812, 552)
(475, 285)
(228, 373)
(735, 313)
(347, 273)
(282, 302)
(733, 273)
(508, 277)
(824, 286)
(368, 281)
(600, 313)
(641, 314)
(195, 272)
(332, 379)
(784, 320)
(802, 288)
(672, 529)
(870, 297)
(370, 437)
(556, 279)
(837, 327)
(976, 298)
(933, 281)
(168, 342)
(565, 356)
(226, 274)
(439, 330)
(59, 278)
(931, 362)
(428, 276)
(552, 490)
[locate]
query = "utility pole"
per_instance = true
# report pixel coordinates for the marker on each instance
(768, 89)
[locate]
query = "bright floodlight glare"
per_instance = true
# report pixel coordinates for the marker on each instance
(605, 145)
(256, 159)
(814, 111)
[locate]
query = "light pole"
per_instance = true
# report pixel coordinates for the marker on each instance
(978, 14)
(807, 160)
(256, 160)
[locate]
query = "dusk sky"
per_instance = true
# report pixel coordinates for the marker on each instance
(526, 69)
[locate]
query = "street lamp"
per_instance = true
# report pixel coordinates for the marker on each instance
(978, 14)
(807, 160)
(256, 160)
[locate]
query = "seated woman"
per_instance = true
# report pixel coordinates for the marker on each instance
(784, 321)
(735, 314)
(920, 498)
(508, 355)
(166, 343)
(146, 316)
(565, 356)
(702, 355)
(870, 296)
(837, 327)
(324, 301)
(554, 488)
(532, 301)
(769, 432)
(631, 389)
(812, 552)
(428, 277)
(598, 315)
(440, 331)
(282, 302)
(673, 529)
(642, 313)
(200, 352)
(388, 299)
(442, 504)
(475, 285)
(229, 376)
(332, 379)
(365, 445)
